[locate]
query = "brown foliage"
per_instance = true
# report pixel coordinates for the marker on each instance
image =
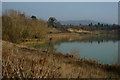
(17, 27)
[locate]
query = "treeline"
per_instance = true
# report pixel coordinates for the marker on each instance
(17, 27)
(52, 21)
(95, 27)
(99, 26)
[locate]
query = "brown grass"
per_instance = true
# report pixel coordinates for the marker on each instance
(21, 62)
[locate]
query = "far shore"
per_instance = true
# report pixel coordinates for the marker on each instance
(70, 36)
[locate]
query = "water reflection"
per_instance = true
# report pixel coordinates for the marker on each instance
(104, 49)
(105, 52)
(119, 52)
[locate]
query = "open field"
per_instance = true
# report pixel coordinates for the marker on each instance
(23, 62)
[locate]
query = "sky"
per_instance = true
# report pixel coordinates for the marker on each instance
(60, 0)
(106, 12)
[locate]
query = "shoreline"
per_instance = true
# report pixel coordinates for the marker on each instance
(70, 36)
(32, 61)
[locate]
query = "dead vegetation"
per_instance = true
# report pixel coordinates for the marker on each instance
(17, 27)
(22, 62)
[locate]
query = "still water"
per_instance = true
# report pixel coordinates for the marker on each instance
(105, 52)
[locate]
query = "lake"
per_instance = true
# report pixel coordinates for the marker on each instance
(105, 52)
(104, 49)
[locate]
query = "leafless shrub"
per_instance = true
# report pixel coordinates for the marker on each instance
(17, 27)
(75, 52)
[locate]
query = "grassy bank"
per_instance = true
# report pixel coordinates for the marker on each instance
(23, 62)
(57, 38)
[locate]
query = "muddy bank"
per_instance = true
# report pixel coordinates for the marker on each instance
(26, 62)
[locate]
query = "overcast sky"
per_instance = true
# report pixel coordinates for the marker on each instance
(98, 11)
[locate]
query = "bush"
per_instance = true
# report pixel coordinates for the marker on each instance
(17, 27)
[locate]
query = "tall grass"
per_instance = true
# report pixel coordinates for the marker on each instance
(16, 27)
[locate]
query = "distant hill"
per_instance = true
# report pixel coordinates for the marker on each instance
(77, 22)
